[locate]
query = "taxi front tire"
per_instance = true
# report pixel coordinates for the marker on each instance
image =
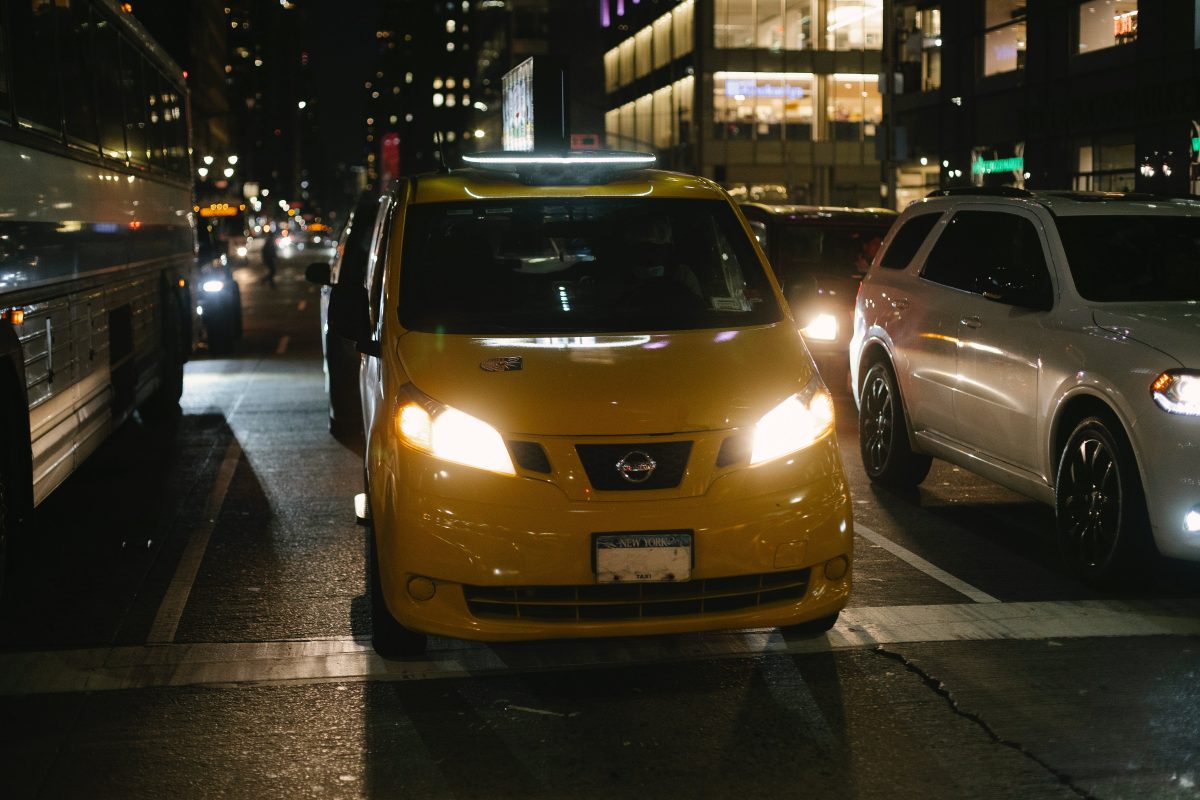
(389, 638)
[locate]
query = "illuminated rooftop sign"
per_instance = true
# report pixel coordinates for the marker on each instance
(534, 112)
(987, 166)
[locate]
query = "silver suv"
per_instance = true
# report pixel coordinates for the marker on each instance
(1050, 342)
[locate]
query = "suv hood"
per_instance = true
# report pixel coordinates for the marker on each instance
(1171, 328)
(613, 385)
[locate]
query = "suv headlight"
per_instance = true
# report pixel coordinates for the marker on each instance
(822, 328)
(449, 434)
(799, 421)
(1178, 391)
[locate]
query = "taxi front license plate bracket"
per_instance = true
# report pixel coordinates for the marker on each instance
(642, 556)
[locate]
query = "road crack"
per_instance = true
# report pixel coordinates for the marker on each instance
(939, 688)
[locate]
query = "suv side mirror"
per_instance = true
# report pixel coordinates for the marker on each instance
(317, 272)
(1015, 287)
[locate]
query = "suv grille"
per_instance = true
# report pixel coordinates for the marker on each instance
(600, 463)
(600, 602)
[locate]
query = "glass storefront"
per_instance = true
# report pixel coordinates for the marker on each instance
(795, 24)
(1105, 163)
(854, 25)
(918, 49)
(854, 106)
(763, 105)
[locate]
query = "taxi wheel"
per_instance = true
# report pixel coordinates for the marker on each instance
(1103, 529)
(812, 628)
(389, 638)
(883, 432)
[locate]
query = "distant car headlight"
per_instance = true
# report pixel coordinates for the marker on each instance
(823, 328)
(1178, 391)
(798, 422)
(212, 287)
(241, 251)
(449, 434)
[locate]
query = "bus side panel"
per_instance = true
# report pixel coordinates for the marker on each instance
(94, 393)
(50, 386)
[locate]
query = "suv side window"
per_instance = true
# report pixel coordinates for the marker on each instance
(988, 247)
(908, 240)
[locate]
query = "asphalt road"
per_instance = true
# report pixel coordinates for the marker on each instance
(190, 620)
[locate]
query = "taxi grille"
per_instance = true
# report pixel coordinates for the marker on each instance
(607, 602)
(600, 463)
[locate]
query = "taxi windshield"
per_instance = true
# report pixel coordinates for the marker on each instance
(580, 265)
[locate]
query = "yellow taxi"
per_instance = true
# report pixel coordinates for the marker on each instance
(588, 412)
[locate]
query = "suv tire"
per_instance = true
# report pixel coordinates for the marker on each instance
(887, 456)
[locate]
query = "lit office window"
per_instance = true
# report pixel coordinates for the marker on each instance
(919, 49)
(642, 47)
(763, 105)
(1107, 23)
(854, 25)
(1004, 37)
(767, 24)
(662, 41)
(682, 30)
(611, 74)
(681, 125)
(733, 24)
(1104, 164)
(625, 62)
(664, 111)
(854, 106)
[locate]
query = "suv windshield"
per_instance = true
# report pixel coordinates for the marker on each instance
(580, 265)
(1118, 258)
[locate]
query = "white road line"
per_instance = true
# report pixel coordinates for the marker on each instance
(303, 304)
(916, 561)
(342, 660)
(166, 621)
(281, 348)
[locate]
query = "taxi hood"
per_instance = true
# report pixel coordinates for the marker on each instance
(611, 385)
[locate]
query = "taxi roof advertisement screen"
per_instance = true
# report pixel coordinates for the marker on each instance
(535, 106)
(518, 107)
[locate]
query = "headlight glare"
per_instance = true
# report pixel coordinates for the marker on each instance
(1178, 392)
(213, 286)
(451, 435)
(797, 422)
(822, 328)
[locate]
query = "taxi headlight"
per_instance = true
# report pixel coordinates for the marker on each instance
(1178, 391)
(822, 328)
(797, 422)
(452, 435)
(213, 286)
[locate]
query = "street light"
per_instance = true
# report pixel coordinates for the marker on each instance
(202, 172)
(232, 160)
(208, 159)
(229, 172)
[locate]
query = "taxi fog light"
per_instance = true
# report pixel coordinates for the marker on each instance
(1177, 391)
(421, 588)
(823, 328)
(836, 568)
(796, 423)
(1192, 521)
(452, 435)
(212, 286)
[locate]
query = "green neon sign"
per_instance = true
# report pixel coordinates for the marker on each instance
(1196, 144)
(986, 166)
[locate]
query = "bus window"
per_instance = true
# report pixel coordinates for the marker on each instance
(174, 131)
(133, 94)
(155, 121)
(79, 101)
(34, 78)
(5, 101)
(108, 90)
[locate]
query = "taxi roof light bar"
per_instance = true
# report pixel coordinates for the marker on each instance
(570, 167)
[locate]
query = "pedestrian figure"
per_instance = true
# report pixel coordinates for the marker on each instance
(269, 258)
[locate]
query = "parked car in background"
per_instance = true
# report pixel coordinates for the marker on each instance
(341, 357)
(217, 296)
(1050, 342)
(588, 412)
(819, 255)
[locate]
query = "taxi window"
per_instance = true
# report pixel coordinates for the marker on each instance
(580, 265)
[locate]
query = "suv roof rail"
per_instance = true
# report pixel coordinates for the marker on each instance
(982, 191)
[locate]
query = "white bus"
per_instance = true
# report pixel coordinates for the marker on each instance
(96, 238)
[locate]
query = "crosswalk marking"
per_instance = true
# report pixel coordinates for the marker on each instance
(914, 560)
(346, 659)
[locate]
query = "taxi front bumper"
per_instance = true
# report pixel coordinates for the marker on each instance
(504, 559)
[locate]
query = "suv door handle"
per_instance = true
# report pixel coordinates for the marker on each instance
(971, 322)
(900, 303)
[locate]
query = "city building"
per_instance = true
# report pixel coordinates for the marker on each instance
(774, 99)
(1074, 94)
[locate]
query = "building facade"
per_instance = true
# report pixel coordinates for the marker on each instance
(777, 100)
(1055, 94)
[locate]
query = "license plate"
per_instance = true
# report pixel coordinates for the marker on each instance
(643, 557)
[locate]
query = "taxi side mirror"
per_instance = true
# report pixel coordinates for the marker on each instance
(349, 317)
